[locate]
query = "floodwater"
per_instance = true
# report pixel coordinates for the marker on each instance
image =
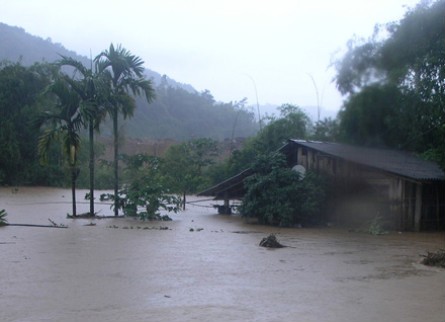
(119, 271)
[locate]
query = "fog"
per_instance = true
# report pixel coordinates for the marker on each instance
(279, 52)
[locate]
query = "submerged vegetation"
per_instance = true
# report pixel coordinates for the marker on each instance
(3, 215)
(277, 195)
(435, 258)
(143, 193)
(271, 241)
(376, 227)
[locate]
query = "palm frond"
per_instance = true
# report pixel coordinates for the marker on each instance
(69, 61)
(44, 143)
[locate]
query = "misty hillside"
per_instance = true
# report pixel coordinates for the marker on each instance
(179, 111)
(17, 45)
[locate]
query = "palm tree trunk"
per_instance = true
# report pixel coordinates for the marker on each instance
(91, 139)
(73, 189)
(116, 167)
(183, 200)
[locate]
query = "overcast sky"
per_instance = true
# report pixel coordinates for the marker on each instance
(283, 48)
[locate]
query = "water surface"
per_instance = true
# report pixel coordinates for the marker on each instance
(127, 270)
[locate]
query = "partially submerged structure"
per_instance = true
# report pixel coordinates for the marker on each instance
(405, 191)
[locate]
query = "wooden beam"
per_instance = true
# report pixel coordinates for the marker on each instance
(418, 210)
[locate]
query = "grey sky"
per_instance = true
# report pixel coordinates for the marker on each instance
(225, 46)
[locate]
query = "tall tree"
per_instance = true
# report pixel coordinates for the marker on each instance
(124, 73)
(326, 130)
(63, 124)
(19, 104)
(92, 90)
(293, 123)
(396, 80)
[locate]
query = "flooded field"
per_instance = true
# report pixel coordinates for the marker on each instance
(127, 270)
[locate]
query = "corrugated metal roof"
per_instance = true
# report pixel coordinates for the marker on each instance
(397, 162)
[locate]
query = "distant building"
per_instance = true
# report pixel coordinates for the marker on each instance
(407, 192)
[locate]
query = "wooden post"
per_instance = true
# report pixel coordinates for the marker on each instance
(418, 210)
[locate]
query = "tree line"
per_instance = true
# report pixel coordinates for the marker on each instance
(49, 103)
(178, 112)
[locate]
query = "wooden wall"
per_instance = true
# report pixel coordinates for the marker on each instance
(360, 193)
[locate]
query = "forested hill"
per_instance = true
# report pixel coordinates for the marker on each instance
(179, 111)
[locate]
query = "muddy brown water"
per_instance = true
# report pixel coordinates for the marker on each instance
(119, 271)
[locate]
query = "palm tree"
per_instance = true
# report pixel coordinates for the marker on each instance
(63, 124)
(125, 75)
(91, 88)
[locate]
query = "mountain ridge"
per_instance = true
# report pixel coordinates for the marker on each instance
(17, 42)
(179, 112)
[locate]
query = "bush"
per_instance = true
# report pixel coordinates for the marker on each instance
(435, 258)
(277, 195)
(145, 199)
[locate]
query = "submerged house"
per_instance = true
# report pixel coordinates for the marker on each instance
(405, 191)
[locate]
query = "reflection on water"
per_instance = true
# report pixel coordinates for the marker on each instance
(219, 273)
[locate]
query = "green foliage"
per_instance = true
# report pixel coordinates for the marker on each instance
(434, 154)
(184, 164)
(276, 195)
(103, 170)
(313, 194)
(20, 103)
(436, 259)
(376, 226)
(3, 215)
(395, 83)
(144, 193)
(326, 130)
(179, 112)
(293, 123)
(103, 175)
(123, 74)
(372, 117)
(62, 123)
(93, 92)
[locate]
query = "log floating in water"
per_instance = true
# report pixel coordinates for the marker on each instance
(31, 225)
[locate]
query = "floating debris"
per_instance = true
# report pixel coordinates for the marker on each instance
(436, 259)
(271, 242)
(246, 232)
(140, 227)
(56, 224)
